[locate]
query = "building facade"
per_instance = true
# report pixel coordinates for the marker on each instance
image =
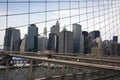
(93, 35)
(42, 43)
(54, 37)
(12, 39)
(56, 28)
(23, 44)
(65, 41)
(115, 39)
(86, 41)
(78, 41)
(32, 38)
(53, 42)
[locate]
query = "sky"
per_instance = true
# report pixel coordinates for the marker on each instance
(102, 19)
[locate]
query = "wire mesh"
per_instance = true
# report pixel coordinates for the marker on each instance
(100, 15)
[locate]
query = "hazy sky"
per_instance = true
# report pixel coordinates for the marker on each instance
(100, 8)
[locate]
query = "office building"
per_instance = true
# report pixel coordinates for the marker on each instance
(32, 38)
(23, 44)
(85, 34)
(12, 39)
(93, 35)
(56, 28)
(53, 42)
(97, 42)
(53, 37)
(42, 43)
(65, 41)
(82, 45)
(113, 49)
(78, 42)
(86, 41)
(106, 47)
(115, 39)
(45, 32)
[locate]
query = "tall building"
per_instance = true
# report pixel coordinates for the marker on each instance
(118, 49)
(23, 44)
(111, 48)
(85, 34)
(86, 41)
(78, 41)
(82, 44)
(53, 42)
(115, 39)
(114, 49)
(45, 31)
(53, 37)
(98, 42)
(96, 34)
(93, 35)
(106, 47)
(56, 28)
(65, 41)
(12, 40)
(32, 38)
(43, 41)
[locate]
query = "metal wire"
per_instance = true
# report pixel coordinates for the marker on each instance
(106, 7)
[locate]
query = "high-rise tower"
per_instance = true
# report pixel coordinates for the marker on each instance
(12, 39)
(23, 44)
(45, 31)
(32, 38)
(54, 37)
(78, 41)
(56, 28)
(43, 41)
(65, 41)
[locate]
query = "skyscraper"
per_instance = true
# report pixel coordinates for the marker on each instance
(115, 39)
(32, 38)
(12, 40)
(65, 41)
(106, 47)
(56, 28)
(23, 44)
(85, 34)
(42, 43)
(15, 40)
(93, 36)
(78, 41)
(45, 32)
(86, 41)
(54, 37)
(53, 42)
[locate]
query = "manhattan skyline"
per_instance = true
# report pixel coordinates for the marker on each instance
(17, 20)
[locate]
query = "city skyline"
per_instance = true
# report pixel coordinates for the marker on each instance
(65, 41)
(60, 39)
(14, 21)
